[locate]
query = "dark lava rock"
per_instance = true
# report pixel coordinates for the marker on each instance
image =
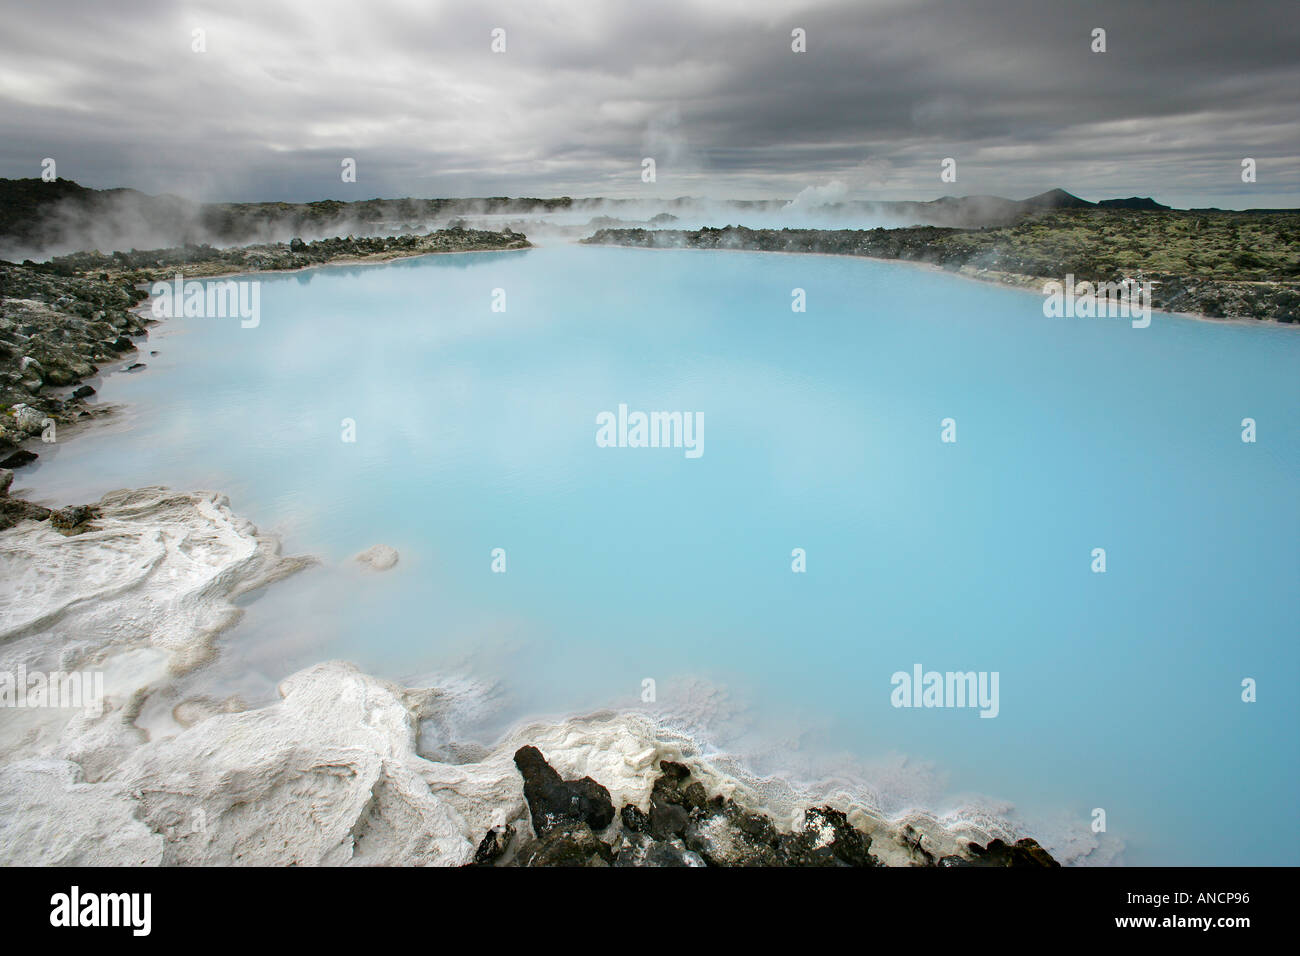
(65, 519)
(667, 819)
(694, 797)
(723, 833)
(719, 830)
(720, 840)
(569, 845)
(14, 510)
(494, 844)
(634, 819)
(665, 791)
(85, 391)
(598, 809)
(687, 827)
(639, 849)
(1024, 852)
(756, 826)
(674, 771)
(826, 839)
(134, 367)
(6, 479)
(669, 815)
(19, 458)
(554, 802)
(914, 841)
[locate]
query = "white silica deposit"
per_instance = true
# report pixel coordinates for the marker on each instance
(338, 771)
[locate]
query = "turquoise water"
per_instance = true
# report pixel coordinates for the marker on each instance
(476, 430)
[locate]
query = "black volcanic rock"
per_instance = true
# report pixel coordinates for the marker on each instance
(634, 819)
(674, 771)
(66, 519)
(569, 845)
(554, 802)
(694, 797)
(19, 458)
(826, 839)
(1022, 853)
(667, 819)
(733, 836)
(687, 827)
(54, 332)
(669, 815)
(494, 844)
(14, 510)
(639, 849)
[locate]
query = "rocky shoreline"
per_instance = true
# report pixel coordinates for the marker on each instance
(204, 261)
(574, 824)
(1031, 253)
(55, 332)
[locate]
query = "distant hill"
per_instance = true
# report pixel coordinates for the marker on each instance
(1133, 202)
(1060, 199)
(1056, 199)
(31, 209)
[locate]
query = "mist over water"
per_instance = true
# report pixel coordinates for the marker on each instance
(123, 220)
(476, 430)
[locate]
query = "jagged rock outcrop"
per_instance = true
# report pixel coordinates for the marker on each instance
(494, 845)
(686, 827)
(553, 802)
(1022, 853)
(196, 261)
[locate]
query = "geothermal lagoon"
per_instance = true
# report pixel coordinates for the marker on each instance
(916, 474)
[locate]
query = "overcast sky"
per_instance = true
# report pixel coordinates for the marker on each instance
(709, 88)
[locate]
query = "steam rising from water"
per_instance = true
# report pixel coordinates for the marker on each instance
(124, 220)
(815, 197)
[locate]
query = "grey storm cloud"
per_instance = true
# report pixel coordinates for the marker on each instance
(711, 89)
